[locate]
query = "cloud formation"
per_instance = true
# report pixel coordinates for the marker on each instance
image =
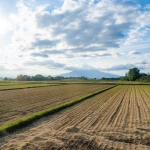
(141, 65)
(85, 25)
(100, 33)
(42, 43)
(39, 55)
(46, 63)
(134, 53)
(123, 67)
(79, 26)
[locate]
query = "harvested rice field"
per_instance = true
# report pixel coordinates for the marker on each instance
(117, 119)
(12, 86)
(18, 103)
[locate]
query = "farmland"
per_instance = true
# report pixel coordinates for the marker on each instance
(11, 86)
(117, 119)
(18, 103)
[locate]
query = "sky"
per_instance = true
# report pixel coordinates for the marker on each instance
(55, 37)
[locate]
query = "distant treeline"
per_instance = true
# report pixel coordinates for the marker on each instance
(110, 79)
(40, 77)
(132, 75)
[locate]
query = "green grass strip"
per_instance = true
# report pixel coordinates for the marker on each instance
(23, 122)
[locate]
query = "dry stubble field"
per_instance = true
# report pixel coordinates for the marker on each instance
(117, 119)
(15, 104)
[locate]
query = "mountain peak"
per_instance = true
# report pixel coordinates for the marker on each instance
(89, 73)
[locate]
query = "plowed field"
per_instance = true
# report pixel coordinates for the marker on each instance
(22, 102)
(14, 86)
(118, 119)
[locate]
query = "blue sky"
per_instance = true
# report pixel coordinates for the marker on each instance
(55, 37)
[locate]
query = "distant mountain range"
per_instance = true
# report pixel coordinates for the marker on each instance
(89, 73)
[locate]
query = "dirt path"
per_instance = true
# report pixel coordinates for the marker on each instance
(117, 119)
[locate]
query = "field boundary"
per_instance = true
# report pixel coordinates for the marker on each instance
(65, 83)
(29, 87)
(23, 122)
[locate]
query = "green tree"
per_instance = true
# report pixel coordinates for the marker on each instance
(49, 77)
(38, 77)
(133, 74)
(125, 78)
(23, 78)
(5, 78)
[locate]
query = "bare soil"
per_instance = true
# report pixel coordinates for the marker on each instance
(117, 119)
(15, 104)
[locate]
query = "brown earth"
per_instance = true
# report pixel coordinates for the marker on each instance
(15, 104)
(117, 119)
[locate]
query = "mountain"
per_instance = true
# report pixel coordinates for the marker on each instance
(89, 73)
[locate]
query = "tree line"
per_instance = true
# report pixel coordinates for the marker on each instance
(135, 75)
(40, 77)
(132, 75)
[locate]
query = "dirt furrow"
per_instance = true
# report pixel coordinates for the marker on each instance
(121, 111)
(125, 113)
(109, 114)
(108, 121)
(131, 110)
(104, 111)
(143, 107)
(90, 107)
(23, 102)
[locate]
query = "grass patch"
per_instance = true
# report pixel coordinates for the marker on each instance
(23, 122)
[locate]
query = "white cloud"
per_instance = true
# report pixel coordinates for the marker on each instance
(5, 25)
(74, 28)
(134, 53)
(76, 32)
